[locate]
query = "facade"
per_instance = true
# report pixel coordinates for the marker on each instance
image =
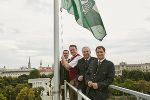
(45, 83)
(14, 72)
(25, 70)
(46, 70)
(143, 67)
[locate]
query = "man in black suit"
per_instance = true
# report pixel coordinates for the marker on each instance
(99, 76)
(83, 65)
(64, 73)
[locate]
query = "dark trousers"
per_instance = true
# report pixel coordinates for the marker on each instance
(63, 92)
(97, 95)
(73, 94)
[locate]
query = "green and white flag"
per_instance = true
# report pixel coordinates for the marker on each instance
(86, 15)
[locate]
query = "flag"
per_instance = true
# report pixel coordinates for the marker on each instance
(86, 14)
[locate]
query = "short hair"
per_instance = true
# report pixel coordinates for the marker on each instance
(65, 50)
(73, 46)
(100, 47)
(85, 47)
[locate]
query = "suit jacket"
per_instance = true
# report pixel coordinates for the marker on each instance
(82, 68)
(64, 74)
(103, 75)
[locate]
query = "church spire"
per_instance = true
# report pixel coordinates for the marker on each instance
(29, 64)
(40, 63)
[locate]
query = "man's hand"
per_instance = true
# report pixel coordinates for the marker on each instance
(90, 83)
(95, 85)
(65, 63)
(80, 78)
(62, 57)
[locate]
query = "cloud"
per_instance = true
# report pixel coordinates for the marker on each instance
(147, 19)
(26, 29)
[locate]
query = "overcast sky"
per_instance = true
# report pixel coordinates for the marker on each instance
(26, 29)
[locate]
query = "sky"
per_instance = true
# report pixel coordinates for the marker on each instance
(26, 30)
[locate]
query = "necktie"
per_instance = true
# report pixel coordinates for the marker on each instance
(86, 63)
(98, 66)
(99, 63)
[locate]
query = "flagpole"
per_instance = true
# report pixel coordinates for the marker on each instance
(56, 91)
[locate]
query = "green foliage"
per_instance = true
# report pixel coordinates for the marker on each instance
(142, 86)
(26, 94)
(10, 88)
(129, 84)
(135, 75)
(51, 75)
(38, 92)
(10, 92)
(19, 87)
(119, 79)
(147, 76)
(2, 97)
(43, 76)
(34, 74)
(125, 74)
(23, 79)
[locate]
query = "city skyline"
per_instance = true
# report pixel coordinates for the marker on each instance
(26, 29)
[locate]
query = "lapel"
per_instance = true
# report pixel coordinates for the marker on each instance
(100, 67)
(95, 65)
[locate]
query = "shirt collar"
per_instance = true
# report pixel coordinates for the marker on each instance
(101, 60)
(88, 58)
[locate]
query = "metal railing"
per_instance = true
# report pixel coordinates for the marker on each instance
(80, 95)
(138, 95)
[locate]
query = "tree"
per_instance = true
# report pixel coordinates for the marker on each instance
(7, 80)
(19, 87)
(51, 75)
(129, 84)
(26, 94)
(34, 74)
(135, 75)
(38, 93)
(125, 74)
(2, 97)
(10, 92)
(141, 86)
(147, 76)
(43, 76)
(23, 79)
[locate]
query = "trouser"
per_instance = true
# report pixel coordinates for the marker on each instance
(63, 94)
(97, 95)
(73, 94)
(63, 91)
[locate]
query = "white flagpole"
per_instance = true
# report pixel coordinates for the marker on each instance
(56, 91)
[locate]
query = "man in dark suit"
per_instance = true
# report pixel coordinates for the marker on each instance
(64, 73)
(83, 65)
(99, 76)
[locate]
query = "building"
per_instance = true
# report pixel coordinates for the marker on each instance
(143, 67)
(46, 94)
(14, 72)
(25, 70)
(46, 70)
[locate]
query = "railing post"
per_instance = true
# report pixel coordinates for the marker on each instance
(123, 96)
(79, 96)
(139, 98)
(65, 88)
